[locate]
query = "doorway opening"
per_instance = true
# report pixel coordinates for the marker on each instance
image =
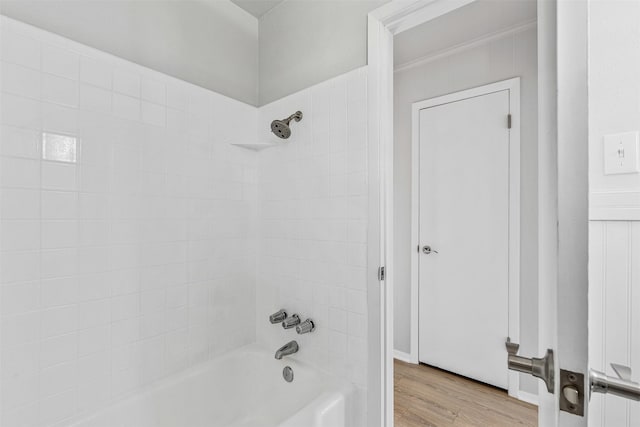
(465, 213)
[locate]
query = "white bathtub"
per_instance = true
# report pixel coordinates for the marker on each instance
(244, 388)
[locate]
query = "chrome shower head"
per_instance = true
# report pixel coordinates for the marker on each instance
(281, 129)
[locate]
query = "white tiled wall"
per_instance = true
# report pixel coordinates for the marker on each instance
(313, 222)
(126, 265)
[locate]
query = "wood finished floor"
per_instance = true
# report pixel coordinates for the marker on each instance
(426, 396)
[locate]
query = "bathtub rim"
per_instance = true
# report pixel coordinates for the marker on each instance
(337, 384)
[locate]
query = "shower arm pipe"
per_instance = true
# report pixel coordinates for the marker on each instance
(297, 116)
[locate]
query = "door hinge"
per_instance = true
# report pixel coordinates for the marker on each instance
(381, 274)
(508, 121)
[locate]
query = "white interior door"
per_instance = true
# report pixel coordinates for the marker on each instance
(464, 216)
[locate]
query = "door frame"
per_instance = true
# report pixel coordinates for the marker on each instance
(513, 86)
(562, 170)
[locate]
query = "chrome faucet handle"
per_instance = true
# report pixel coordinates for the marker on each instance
(278, 316)
(290, 322)
(305, 327)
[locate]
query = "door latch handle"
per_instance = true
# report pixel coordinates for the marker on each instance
(427, 250)
(623, 372)
(538, 367)
(621, 385)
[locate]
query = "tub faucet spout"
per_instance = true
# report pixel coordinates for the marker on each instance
(287, 349)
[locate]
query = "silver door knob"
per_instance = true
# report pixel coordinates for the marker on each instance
(427, 250)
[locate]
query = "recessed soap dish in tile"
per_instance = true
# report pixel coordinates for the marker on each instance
(255, 146)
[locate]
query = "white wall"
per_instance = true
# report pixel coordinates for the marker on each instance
(482, 63)
(213, 44)
(614, 241)
(614, 100)
(305, 42)
(313, 227)
(125, 266)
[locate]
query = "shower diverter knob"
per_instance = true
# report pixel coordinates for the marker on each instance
(290, 322)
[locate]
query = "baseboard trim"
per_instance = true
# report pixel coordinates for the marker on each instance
(528, 397)
(401, 356)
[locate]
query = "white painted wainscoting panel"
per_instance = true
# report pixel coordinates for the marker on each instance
(614, 314)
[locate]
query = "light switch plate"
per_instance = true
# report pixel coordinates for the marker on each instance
(621, 153)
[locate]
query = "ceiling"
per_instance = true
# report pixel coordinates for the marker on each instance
(257, 7)
(479, 19)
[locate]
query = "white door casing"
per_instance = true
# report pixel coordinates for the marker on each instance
(466, 189)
